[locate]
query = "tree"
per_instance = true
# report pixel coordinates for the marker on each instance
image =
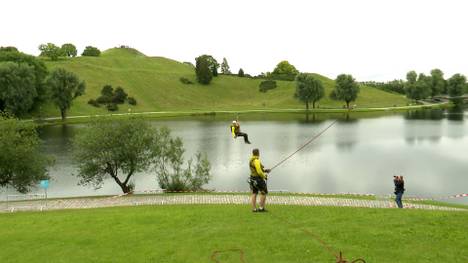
(346, 89)
(50, 50)
(17, 88)
(438, 83)
(308, 89)
(225, 67)
(241, 73)
(168, 166)
(114, 149)
(119, 95)
(69, 50)
(202, 70)
(456, 87)
(64, 87)
(284, 71)
(267, 85)
(40, 73)
(91, 51)
(22, 165)
(419, 87)
(9, 49)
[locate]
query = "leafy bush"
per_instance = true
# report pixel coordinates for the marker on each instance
(103, 99)
(171, 176)
(185, 81)
(132, 101)
(267, 85)
(119, 96)
(94, 103)
(91, 52)
(112, 107)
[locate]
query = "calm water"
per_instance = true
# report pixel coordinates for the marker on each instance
(359, 154)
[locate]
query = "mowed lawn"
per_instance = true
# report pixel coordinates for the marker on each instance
(154, 83)
(192, 233)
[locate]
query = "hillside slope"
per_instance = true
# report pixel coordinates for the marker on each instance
(154, 83)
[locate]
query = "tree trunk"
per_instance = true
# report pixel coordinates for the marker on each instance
(313, 104)
(307, 106)
(347, 104)
(63, 113)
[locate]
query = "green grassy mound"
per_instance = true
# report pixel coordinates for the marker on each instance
(154, 82)
(192, 233)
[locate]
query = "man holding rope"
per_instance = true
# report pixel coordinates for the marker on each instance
(257, 181)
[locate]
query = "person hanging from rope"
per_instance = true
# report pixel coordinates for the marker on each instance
(257, 181)
(399, 189)
(235, 131)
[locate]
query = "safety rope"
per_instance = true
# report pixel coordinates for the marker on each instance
(304, 145)
(338, 256)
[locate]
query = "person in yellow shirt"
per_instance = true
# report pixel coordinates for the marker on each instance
(235, 131)
(257, 182)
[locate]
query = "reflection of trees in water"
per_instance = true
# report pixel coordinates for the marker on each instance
(346, 133)
(433, 114)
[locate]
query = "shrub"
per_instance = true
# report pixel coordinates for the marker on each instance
(132, 101)
(185, 81)
(94, 103)
(112, 107)
(103, 99)
(267, 85)
(91, 52)
(119, 96)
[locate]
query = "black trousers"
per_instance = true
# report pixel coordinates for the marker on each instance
(246, 137)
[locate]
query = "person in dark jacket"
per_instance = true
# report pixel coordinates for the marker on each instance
(399, 189)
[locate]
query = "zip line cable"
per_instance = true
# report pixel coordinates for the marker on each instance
(304, 145)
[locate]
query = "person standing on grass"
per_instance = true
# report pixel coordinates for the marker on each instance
(257, 182)
(235, 131)
(399, 189)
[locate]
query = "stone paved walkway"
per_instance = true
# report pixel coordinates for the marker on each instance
(135, 200)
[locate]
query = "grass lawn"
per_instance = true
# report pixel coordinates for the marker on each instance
(192, 233)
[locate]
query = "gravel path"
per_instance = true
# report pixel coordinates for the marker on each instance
(162, 199)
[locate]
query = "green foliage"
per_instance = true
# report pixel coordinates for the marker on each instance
(456, 86)
(132, 101)
(17, 88)
(418, 88)
(203, 70)
(112, 107)
(241, 73)
(50, 50)
(120, 96)
(107, 91)
(308, 89)
(94, 103)
(397, 85)
(185, 80)
(267, 85)
(22, 165)
(91, 51)
(64, 87)
(171, 176)
(438, 83)
(225, 67)
(346, 89)
(9, 49)
(68, 50)
(284, 71)
(115, 149)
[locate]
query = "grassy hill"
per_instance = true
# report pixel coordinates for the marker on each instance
(154, 83)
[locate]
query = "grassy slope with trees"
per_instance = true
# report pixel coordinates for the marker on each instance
(155, 84)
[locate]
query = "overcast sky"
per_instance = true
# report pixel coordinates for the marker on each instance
(370, 39)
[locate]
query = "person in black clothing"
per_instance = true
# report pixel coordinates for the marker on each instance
(399, 189)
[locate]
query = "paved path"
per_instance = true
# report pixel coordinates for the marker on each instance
(164, 199)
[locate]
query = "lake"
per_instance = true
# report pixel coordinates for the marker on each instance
(360, 153)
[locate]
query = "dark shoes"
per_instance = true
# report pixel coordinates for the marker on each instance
(262, 210)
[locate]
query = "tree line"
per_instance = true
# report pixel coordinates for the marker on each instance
(53, 51)
(26, 84)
